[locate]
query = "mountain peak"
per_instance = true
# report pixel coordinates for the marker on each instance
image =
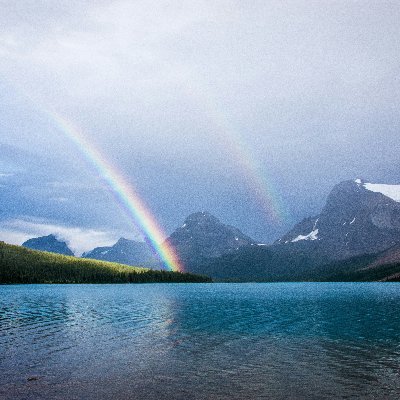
(201, 217)
(49, 237)
(203, 236)
(390, 191)
(122, 241)
(125, 251)
(359, 181)
(358, 217)
(48, 243)
(362, 187)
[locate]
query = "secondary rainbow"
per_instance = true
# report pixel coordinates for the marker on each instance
(122, 190)
(257, 179)
(237, 148)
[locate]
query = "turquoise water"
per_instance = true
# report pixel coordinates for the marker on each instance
(200, 341)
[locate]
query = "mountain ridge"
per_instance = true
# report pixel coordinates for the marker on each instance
(354, 222)
(125, 251)
(48, 243)
(203, 236)
(359, 219)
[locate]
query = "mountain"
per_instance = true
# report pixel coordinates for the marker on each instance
(203, 236)
(125, 251)
(260, 263)
(48, 243)
(358, 218)
(22, 265)
(359, 221)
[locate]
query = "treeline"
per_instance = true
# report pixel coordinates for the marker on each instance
(263, 264)
(386, 273)
(21, 265)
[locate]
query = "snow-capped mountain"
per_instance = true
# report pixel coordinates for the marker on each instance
(356, 236)
(125, 251)
(358, 224)
(358, 218)
(48, 243)
(203, 236)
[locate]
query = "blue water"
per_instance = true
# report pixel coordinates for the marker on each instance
(200, 341)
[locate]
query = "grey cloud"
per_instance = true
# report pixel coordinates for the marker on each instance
(311, 88)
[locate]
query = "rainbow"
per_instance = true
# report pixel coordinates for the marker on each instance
(260, 185)
(257, 179)
(122, 190)
(236, 147)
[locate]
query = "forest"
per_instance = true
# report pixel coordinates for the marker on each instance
(21, 265)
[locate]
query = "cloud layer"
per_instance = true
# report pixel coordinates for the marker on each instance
(173, 92)
(16, 231)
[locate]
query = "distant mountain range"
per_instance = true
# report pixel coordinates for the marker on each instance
(358, 219)
(125, 251)
(356, 234)
(48, 243)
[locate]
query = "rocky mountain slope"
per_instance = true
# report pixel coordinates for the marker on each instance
(48, 243)
(354, 237)
(203, 236)
(359, 219)
(125, 251)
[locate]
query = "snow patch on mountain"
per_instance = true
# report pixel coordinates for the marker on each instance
(391, 191)
(313, 235)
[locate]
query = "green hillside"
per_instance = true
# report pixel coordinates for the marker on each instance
(21, 265)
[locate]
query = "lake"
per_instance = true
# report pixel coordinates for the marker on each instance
(200, 341)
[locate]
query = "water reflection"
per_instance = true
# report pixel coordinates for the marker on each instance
(200, 341)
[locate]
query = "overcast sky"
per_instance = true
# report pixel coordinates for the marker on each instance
(235, 107)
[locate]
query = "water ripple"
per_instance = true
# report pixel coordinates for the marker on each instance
(219, 341)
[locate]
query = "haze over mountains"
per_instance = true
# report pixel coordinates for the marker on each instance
(125, 251)
(359, 219)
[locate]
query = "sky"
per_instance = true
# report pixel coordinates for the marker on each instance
(251, 110)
